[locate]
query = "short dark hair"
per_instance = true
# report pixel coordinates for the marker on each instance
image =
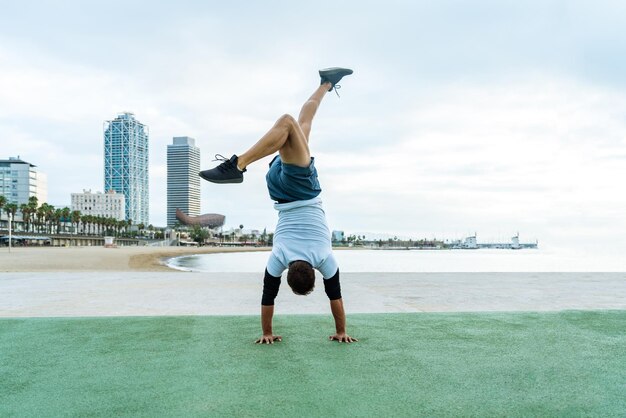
(301, 277)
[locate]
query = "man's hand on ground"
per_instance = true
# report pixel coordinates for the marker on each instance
(268, 339)
(342, 338)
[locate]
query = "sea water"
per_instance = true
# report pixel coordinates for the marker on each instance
(425, 261)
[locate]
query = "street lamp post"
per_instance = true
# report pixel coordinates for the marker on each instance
(10, 239)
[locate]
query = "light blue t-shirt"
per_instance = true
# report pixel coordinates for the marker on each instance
(302, 234)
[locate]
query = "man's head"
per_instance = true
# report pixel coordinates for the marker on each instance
(301, 277)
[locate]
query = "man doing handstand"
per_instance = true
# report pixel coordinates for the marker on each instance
(302, 237)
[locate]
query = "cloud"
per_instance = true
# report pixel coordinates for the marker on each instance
(489, 118)
(490, 157)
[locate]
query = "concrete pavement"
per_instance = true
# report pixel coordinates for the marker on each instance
(180, 293)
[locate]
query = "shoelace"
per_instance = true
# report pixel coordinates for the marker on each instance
(226, 164)
(337, 87)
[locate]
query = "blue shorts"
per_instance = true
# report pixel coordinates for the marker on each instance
(288, 182)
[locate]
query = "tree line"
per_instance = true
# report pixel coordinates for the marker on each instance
(45, 218)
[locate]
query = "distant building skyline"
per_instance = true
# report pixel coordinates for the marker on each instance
(126, 165)
(19, 180)
(183, 182)
(109, 205)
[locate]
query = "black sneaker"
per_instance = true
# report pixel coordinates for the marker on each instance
(333, 76)
(227, 172)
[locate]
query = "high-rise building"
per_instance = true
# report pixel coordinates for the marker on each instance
(108, 205)
(183, 182)
(126, 164)
(20, 180)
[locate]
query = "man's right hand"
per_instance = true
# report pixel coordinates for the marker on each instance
(268, 339)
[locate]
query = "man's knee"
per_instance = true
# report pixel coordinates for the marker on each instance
(286, 121)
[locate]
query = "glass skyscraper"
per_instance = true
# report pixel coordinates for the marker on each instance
(126, 164)
(183, 182)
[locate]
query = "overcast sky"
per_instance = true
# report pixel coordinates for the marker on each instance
(487, 116)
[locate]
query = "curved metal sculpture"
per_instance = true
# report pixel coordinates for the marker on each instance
(208, 220)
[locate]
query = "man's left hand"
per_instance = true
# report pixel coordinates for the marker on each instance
(342, 338)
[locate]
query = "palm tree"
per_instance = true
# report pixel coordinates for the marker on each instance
(99, 224)
(107, 225)
(47, 212)
(33, 204)
(91, 224)
(75, 218)
(111, 224)
(3, 201)
(10, 209)
(55, 221)
(40, 214)
(94, 224)
(57, 216)
(118, 226)
(66, 215)
(83, 220)
(89, 219)
(50, 216)
(104, 225)
(25, 209)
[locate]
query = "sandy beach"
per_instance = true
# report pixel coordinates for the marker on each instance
(85, 259)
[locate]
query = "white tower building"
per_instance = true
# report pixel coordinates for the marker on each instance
(183, 182)
(20, 180)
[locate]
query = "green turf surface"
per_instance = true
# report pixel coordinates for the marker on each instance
(491, 364)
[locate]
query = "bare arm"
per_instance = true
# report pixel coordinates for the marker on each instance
(270, 290)
(336, 307)
(267, 313)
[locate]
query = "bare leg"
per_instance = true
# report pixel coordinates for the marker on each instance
(288, 136)
(309, 108)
